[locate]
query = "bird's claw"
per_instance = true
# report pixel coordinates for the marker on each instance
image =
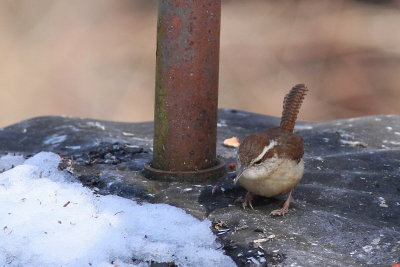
(279, 212)
(285, 207)
(246, 201)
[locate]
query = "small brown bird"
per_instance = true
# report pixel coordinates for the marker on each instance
(270, 162)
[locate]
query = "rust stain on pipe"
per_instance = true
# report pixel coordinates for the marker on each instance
(187, 72)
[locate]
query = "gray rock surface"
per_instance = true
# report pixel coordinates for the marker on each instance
(346, 210)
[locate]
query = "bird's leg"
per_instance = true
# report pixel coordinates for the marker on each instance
(285, 207)
(246, 201)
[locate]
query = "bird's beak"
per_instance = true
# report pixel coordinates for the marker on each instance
(239, 173)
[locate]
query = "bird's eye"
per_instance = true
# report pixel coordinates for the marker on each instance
(258, 162)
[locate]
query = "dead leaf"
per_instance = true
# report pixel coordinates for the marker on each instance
(232, 142)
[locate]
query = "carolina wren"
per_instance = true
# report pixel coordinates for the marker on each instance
(270, 162)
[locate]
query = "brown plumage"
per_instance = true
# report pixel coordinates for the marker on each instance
(271, 162)
(291, 145)
(291, 106)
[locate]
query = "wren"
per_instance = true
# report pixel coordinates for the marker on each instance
(270, 163)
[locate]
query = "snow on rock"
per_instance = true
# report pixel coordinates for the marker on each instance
(48, 219)
(9, 161)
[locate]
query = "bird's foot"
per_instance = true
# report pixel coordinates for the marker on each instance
(246, 201)
(285, 207)
(279, 212)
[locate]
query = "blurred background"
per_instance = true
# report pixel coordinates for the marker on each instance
(96, 58)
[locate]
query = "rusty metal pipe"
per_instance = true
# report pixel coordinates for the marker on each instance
(186, 91)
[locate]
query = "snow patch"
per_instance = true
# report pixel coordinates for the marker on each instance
(96, 124)
(303, 127)
(49, 219)
(222, 123)
(73, 147)
(382, 202)
(54, 139)
(9, 161)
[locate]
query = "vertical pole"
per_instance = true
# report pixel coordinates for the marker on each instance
(186, 92)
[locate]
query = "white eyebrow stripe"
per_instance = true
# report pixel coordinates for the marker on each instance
(265, 150)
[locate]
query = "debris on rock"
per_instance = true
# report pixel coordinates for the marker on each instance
(232, 142)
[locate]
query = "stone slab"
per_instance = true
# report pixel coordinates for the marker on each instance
(346, 210)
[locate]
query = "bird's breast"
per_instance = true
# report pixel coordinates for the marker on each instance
(273, 177)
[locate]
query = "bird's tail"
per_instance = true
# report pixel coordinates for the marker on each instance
(291, 106)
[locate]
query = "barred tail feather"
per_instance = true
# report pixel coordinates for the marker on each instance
(291, 106)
